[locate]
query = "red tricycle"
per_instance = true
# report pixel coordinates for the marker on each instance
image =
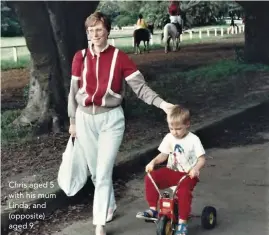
(168, 212)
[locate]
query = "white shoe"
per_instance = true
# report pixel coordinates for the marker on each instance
(110, 214)
(100, 230)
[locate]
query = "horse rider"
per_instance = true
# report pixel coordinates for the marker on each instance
(174, 8)
(141, 23)
(177, 21)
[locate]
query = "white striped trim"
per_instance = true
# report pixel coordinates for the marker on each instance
(133, 75)
(84, 100)
(91, 50)
(84, 72)
(91, 47)
(111, 73)
(97, 82)
(75, 78)
(114, 94)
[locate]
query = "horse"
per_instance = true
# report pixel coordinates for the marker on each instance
(142, 34)
(170, 32)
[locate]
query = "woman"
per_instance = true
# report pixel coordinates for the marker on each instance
(94, 108)
(141, 24)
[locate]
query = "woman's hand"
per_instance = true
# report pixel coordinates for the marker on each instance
(72, 130)
(166, 107)
(150, 167)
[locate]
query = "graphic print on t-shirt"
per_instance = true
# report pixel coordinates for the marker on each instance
(178, 148)
(177, 155)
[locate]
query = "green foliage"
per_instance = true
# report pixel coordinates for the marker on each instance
(194, 13)
(125, 13)
(10, 132)
(123, 20)
(111, 8)
(156, 13)
(10, 26)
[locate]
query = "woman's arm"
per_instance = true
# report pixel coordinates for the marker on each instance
(74, 86)
(136, 81)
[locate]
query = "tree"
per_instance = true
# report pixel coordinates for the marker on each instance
(53, 31)
(110, 8)
(256, 31)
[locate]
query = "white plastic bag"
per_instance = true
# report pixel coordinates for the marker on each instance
(73, 171)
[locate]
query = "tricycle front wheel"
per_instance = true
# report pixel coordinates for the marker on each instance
(164, 226)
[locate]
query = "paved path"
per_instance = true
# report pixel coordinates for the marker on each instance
(235, 181)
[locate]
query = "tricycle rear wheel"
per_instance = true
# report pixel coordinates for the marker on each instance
(209, 217)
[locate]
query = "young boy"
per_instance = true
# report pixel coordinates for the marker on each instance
(186, 155)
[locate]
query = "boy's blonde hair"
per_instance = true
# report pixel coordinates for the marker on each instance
(96, 17)
(179, 115)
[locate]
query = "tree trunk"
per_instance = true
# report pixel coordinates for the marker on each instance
(53, 31)
(256, 32)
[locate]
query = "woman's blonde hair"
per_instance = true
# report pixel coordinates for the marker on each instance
(179, 115)
(96, 17)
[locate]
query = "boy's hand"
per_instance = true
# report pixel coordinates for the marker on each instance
(194, 173)
(149, 167)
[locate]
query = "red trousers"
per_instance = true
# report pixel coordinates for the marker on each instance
(166, 178)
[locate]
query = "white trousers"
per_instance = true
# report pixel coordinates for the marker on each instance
(100, 136)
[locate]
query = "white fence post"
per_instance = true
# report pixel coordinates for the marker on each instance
(190, 34)
(181, 37)
(200, 34)
(151, 39)
(133, 41)
(215, 31)
(221, 30)
(15, 54)
(228, 30)
(208, 33)
(239, 28)
(113, 42)
(235, 30)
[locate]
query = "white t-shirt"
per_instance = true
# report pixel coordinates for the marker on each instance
(183, 153)
(175, 19)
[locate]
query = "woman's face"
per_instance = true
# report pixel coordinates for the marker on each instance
(98, 34)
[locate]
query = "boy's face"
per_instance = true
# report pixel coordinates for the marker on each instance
(178, 130)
